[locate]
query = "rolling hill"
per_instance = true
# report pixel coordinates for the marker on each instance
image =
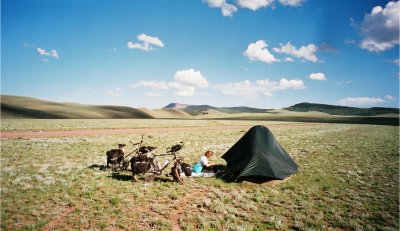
(26, 107)
(341, 110)
(207, 109)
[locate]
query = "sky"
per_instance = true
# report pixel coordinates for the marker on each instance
(255, 53)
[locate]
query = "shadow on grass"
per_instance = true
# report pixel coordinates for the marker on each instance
(124, 177)
(121, 177)
(99, 167)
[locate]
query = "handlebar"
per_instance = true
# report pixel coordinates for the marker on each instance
(175, 148)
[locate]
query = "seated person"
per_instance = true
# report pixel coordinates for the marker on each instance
(204, 161)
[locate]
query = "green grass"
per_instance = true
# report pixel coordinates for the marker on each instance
(68, 124)
(348, 179)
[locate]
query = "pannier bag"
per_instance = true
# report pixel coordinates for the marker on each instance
(140, 164)
(186, 169)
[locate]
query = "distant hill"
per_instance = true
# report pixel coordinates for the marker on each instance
(26, 107)
(177, 105)
(342, 110)
(205, 109)
(167, 113)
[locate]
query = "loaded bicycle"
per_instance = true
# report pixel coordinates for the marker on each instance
(147, 167)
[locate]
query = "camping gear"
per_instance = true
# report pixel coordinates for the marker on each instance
(197, 168)
(258, 156)
(186, 169)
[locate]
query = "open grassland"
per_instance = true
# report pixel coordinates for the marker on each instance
(68, 124)
(348, 180)
(310, 116)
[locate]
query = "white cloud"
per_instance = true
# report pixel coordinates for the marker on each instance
(226, 8)
(258, 51)
(238, 88)
(317, 76)
(264, 86)
(380, 28)
(184, 84)
(182, 89)
(147, 42)
(114, 92)
(304, 52)
(191, 77)
(144, 46)
(395, 61)
(254, 4)
(390, 97)
(52, 53)
(288, 59)
(360, 101)
(291, 2)
(151, 84)
(291, 84)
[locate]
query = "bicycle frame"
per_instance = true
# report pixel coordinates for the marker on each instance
(159, 171)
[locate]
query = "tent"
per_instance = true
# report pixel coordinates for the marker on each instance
(258, 156)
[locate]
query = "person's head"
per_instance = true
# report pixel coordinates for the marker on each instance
(209, 153)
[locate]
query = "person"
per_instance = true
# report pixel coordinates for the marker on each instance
(207, 166)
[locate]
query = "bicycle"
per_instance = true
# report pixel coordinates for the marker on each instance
(147, 168)
(119, 161)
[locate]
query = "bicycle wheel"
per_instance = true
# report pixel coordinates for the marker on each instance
(176, 172)
(150, 174)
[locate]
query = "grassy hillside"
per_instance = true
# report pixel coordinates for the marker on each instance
(167, 113)
(206, 109)
(342, 110)
(26, 107)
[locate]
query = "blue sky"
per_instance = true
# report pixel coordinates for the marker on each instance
(257, 53)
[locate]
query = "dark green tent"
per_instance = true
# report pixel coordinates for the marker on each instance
(257, 155)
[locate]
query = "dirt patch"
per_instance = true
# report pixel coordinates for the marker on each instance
(182, 207)
(99, 132)
(59, 219)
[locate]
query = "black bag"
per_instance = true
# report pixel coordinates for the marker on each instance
(140, 164)
(186, 169)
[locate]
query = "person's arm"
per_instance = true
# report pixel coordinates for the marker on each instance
(205, 163)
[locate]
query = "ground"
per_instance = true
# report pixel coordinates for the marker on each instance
(347, 180)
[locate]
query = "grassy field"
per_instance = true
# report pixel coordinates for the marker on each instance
(68, 124)
(348, 180)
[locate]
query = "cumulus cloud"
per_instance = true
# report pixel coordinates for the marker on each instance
(360, 101)
(390, 97)
(304, 52)
(291, 84)
(226, 8)
(380, 28)
(182, 89)
(293, 3)
(191, 77)
(395, 61)
(288, 59)
(254, 4)
(317, 76)
(147, 43)
(184, 84)
(151, 84)
(52, 53)
(258, 52)
(264, 86)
